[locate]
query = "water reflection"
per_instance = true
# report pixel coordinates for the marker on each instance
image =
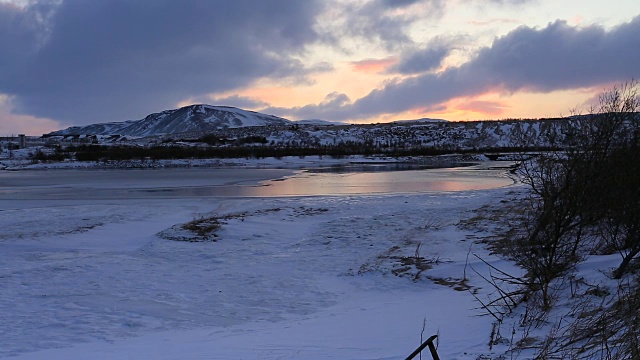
(192, 183)
(408, 181)
(348, 181)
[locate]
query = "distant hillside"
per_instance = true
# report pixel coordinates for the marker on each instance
(318, 122)
(219, 125)
(193, 118)
(419, 121)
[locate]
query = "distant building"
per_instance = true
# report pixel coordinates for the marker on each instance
(22, 141)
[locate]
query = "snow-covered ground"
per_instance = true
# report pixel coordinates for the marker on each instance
(322, 277)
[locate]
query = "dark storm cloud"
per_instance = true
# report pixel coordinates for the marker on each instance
(556, 57)
(88, 61)
(18, 38)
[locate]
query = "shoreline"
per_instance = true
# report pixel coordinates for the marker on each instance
(291, 162)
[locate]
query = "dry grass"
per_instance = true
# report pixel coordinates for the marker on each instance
(204, 227)
(454, 283)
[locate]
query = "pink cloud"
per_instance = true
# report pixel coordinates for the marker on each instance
(373, 66)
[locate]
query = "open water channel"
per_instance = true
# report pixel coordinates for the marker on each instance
(243, 182)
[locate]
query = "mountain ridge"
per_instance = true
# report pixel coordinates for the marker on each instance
(197, 117)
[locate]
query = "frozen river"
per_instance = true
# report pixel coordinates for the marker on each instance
(239, 182)
(85, 271)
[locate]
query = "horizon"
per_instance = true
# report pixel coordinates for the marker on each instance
(75, 63)
(15, 134)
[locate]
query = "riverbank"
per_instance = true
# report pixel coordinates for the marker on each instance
(21, 161)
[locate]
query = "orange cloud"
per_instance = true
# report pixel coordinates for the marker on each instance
(373, 66)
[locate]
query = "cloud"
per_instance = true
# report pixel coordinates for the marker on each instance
(330, 108)
(427, 57)
(376, 23)
(88, 61)
(398, 3)
(241, 102)
(422, 60)
(373, 66)
(18, 38)
(493, 21)
(556, 57)
(510, 2)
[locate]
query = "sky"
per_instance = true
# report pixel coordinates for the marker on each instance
(78, 62)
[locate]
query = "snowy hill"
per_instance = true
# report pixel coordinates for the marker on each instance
(171, 126)
(186, 119)
(192, 123)
(435, 134)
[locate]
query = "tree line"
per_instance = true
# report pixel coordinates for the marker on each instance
(169, 151)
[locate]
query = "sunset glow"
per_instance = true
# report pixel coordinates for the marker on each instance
(358, 61)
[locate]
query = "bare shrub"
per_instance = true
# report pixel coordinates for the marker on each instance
(583, 199)
(590, 188)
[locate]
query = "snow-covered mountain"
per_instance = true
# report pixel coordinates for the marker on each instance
(186, 119)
